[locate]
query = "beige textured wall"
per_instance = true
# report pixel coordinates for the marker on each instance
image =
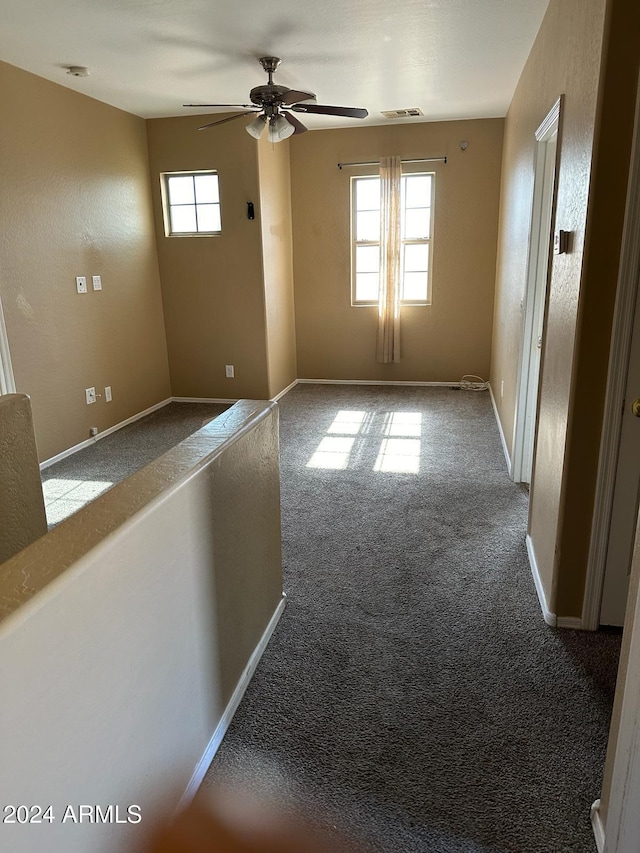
(75, 200)
(277, 249)
(212, 286)
(597, 296)
(622, 67)
(22, 515)
(565, 58)
(442, 341)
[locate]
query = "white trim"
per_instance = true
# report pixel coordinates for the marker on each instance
(619, 353)
(623, 813)
(76, 447)
(225, 720)
(375, 382)
(203, 400)
(505, 449)
(549, 617)
(573, 623)
(286, 390)
(549, 125)
(598, 826)
(7, 380)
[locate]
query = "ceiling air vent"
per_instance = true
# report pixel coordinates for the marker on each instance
(412, 111)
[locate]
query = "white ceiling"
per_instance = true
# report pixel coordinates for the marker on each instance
(454, 59)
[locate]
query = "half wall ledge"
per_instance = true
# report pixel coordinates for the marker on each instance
(128, 633)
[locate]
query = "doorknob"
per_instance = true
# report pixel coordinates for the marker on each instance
(635, 407)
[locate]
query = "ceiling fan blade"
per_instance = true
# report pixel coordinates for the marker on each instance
(325, 110)
(299, 127)
(238, 106)
(294, 95)
(223, 120)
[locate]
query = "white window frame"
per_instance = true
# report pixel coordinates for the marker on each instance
(166, 206)
(428, 241)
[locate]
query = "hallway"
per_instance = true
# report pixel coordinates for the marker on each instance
(412, 696)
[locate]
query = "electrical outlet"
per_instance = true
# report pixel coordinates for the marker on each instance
(81, 283)
(108, 397)
(229, 371)
(90, 394)
(93, 431)
(97, 282)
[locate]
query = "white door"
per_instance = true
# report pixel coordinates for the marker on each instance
(542, 217)
(7, 384)
(542, 271)
(625, 496)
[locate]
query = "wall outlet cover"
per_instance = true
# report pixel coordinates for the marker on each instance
(81, 283)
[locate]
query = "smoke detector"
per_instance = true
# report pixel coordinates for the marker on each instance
(408, 113)
(78, 71)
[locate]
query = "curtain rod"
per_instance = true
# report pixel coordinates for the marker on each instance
(377, 162)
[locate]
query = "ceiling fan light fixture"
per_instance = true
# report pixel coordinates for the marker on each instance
(256, 127)
(279, 128)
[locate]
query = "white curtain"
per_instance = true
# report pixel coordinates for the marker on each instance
(389, 294)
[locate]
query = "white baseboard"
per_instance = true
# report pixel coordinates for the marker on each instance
(284, 391)
(455, 384)
(204, 400)
(76, 447)
(549, 617)
(574, 623)
(505, 449)
(81, 446)
(221, 729)
(598, 827)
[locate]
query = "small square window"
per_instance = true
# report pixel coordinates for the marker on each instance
(191, 204)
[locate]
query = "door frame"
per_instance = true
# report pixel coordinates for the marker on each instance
(619, 830)
(7, 381)
(551, 124)
(621, 336)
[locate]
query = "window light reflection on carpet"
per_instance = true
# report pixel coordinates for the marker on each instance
(347, 422)
(399, 456)
(403, 423)
(353, 436)
(63, 497)
(333, 453)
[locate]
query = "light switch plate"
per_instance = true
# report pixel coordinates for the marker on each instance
(81, 283)
(97, 282)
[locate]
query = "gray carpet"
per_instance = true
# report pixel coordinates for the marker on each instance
(412, 696)
(116, 456)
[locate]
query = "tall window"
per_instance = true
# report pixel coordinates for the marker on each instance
(191, 204)
(416, 228)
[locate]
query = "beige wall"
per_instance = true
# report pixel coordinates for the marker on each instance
(74, 200)
(442, 341)
(565, 58)
(605, 219)
(277, 250)
(212, 286)
(22, 515)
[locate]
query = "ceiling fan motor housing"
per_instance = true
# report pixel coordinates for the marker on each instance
(268, 95)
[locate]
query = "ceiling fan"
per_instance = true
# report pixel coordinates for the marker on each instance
(275, 104)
